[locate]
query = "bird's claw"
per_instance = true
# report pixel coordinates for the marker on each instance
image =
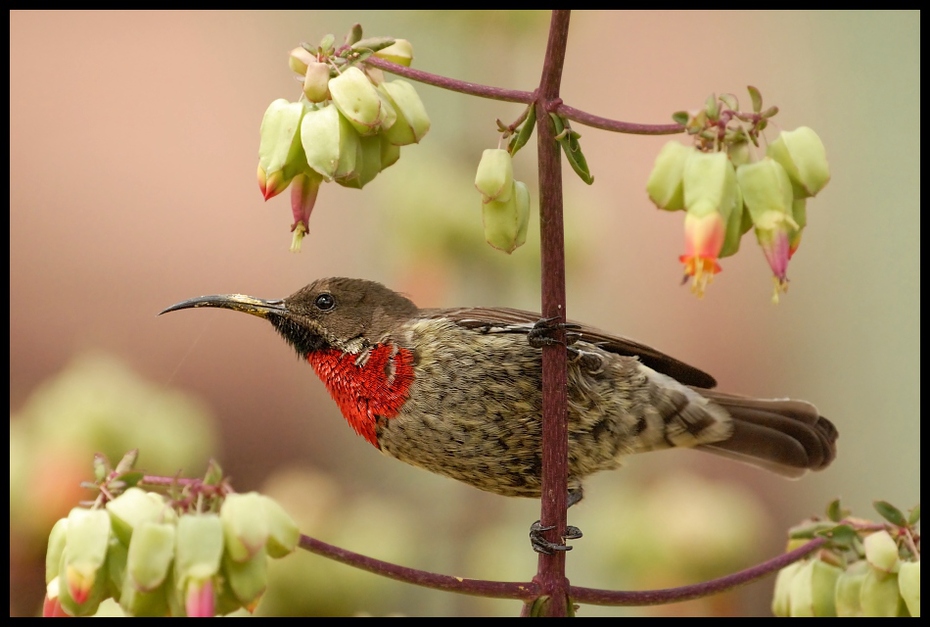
(540, 334)
(541, 545)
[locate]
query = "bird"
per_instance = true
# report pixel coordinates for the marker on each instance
(458, 391)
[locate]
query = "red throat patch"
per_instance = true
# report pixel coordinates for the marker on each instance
(377, 387)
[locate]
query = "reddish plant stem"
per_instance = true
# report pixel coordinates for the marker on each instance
(526, 97)
(551, 568)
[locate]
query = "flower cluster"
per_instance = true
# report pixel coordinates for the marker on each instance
(347, 126)
(156, 556)
(865, 570)
(725, 193)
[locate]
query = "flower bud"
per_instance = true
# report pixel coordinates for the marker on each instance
(86, 538)
(245, 526)
(400, 52)
(665, 181)
(412, 122)
(283, 533)
(781, 597)
(280, 154)
(881, 552)
(57, 539)
(848, 587)
(321, 141)
(358, 100)
(494, 178)
(880, 596)
(909, 586)
(505, 222)
(804, 158)
(299, 59)
(249, 578)
(367, 163)
(151, 552)
(813, 589)
(133, 507)
(316, 82)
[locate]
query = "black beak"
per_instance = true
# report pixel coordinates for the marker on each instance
(236, 302)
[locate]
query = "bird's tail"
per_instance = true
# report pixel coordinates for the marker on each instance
(781, 435)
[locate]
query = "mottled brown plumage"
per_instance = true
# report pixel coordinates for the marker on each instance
(458, 391)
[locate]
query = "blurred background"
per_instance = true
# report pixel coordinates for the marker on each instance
(133, 148)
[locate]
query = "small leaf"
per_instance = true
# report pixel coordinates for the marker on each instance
(128, 462)
(101, 466)
(327, 42)
(770, 112)
(843, 536)
(835, 511)
(730, 101)
(756, 97)
(680, 117)
(810, 529)
(526, 131)
(214, 475)
(355, 34)
(131, 478)
(890, 513)
(914, 516)
(373, 43)
(712, 107)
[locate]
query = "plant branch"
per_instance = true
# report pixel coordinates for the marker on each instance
(526, 591)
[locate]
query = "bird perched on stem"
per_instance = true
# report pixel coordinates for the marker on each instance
(458, 391)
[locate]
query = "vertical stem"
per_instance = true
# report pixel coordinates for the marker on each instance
(551, 568)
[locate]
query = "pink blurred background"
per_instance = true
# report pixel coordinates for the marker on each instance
(133, 147)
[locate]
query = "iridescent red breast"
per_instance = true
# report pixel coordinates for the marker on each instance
(364, 388)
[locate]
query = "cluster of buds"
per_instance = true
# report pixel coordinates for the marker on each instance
(348, 125)
(866, 570)
(505, 203)
(725, 193)
(158, 557)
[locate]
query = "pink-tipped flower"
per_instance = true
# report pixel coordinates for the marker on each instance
(703, 240)
(776, 246)
(51, 606)
(303, 198)
(199, 599)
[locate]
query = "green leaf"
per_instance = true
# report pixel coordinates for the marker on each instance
(526, 131)
(835, 511)
(355, 34)
(730, 101)
(914, 516)
(373, 43)
(756, 97)
(890, 513)
(712, 107)
(327, 42)
(214, 474)
(680, 117)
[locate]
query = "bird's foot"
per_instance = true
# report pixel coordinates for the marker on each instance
(541, 334)
(541, 545)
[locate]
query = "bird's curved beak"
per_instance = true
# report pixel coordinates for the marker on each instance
(237, 302)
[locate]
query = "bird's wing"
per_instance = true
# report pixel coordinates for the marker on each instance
(506, 320)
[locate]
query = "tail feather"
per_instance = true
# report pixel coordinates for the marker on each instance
(781, 435)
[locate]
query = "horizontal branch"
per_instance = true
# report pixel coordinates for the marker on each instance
(686, 593)
(528, 591)
(525, 97)
(495, 589)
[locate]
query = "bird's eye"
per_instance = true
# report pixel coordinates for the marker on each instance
(325, 302)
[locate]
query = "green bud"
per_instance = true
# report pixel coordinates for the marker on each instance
(880, 596)
(86, 538)
(245, 526)
(283, 533)
(505, 221)
(199, 548)
(390, 153)
(358, 100)
(665, 181)
(321, 141)
(737, 225)
(117, 556)
(881, 552)
(813, 589)
(494, 178)
(709, 183)
(137, 602)
(299, 59)
(133, 507)
(367, 163)
(151, 552)
(848, 587)
(767, 193)
(248, 578)
(316, 82)
(781, 597)
(412, 122)
(522, 195)
(280, 154)
(400, 52)
(804, 158)
(350, 146)
(56, 546)
(909, 586)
